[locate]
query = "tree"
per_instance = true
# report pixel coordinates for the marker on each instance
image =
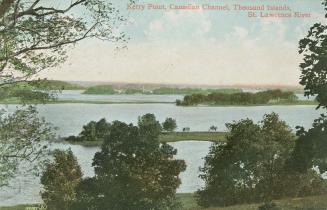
(132, 170)
(169, 125)
(311, 144)
(150, 129)
(60, 180)
(314, 66)
(22, 136)
(35, 35)
(233, 174)
(93, 131)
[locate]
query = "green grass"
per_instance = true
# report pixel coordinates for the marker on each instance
(20, 207)
(172, 137)
(198, 136)
(307, 203)
(189, 203)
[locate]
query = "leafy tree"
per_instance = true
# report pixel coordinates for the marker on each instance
(150, 129)
(22, 136)
(60, 179)
(35, 35)
(234, 174)
(132, 170)
(311, 144)
(169, 125)
(93, 131)
(314, 66)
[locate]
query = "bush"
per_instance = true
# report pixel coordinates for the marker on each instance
(169, 125)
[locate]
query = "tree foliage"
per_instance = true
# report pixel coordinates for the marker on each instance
(169, 124)
(311, 147)
(312, 143)
(60, 180)
(22, 136)
(93, 131)
(101, 90)
(132, 170)
(218, 98)
(35, 35)
(252, 166)
(314, 66)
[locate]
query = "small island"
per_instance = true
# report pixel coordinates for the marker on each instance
(269, 97)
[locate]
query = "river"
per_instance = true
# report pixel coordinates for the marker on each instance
(69, 119)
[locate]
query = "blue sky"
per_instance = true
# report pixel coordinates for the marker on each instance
(222, 23)
(197, 47)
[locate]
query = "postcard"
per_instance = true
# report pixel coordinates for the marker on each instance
(163, 104)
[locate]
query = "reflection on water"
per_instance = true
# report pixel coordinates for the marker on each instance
(25, 189)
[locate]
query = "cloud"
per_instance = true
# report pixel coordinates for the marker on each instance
(174, 25)
(180, 47)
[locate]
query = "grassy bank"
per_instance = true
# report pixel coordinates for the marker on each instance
(173, 137)
(307, 203)
(20, 207)
(198, 136)
(189, 203)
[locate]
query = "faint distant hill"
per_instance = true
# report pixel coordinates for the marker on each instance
(60, 85)
(152, 86)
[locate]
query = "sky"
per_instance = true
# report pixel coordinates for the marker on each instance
(197, 47)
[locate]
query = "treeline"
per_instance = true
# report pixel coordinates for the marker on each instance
(23, 95)
(34, 90)
(96, 131)
(101, 90)
(31, 91)
(184, 91)
(244, 98)
(110, 90)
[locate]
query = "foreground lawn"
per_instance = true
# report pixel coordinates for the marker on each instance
(307, 203)
(20, 207)
(189, 203)
(173, 137)
(198, 136)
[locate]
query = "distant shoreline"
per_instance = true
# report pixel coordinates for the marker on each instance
(299, 102)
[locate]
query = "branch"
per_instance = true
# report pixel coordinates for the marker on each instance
(50, 10)
(34, 47)
(4, 7)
